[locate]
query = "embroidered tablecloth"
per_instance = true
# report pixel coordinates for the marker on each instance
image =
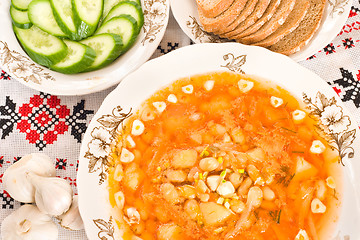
(32, 121)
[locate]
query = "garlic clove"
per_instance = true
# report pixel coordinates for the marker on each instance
(15, 178)
(126, 156)
(72, 219)
(245, 85)
(172, 98)
(28, 223)
(317, 147)
(298, 116)
(53, 195)
(138, 127)
(118, 173)
(302, 235)
(159, 106)
(130, 141)
(188, 89)
(209, 85)
(276, 102)
(317, 206)
(119, 199)
(330, 182)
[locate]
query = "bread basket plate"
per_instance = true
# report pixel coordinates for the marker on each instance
(138, 86)
(334, 18)
(16, 62)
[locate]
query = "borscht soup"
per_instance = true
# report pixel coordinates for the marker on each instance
(223, 156)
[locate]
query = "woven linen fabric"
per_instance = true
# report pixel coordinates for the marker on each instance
(23, 111)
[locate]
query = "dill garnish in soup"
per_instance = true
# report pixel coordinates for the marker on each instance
(222, 156)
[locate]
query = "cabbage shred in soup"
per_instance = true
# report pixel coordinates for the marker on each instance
(222, 156)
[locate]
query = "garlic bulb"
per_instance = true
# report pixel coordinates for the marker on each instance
(28, 223)
(15, 178)
(53, 195)
(72, 219)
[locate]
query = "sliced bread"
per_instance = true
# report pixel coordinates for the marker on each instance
(224, 19)
(213, 8)
(291, 23)
(249, 28)
(259, 10)
(293, 41)
(272, 25)
(247, 10)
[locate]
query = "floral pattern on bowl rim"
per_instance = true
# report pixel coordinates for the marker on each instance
(334, 119)
(335, 15)
(16, 62)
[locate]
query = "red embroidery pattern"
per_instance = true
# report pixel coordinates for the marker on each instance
(43, 119)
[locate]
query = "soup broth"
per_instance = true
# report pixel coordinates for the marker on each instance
(222, 156)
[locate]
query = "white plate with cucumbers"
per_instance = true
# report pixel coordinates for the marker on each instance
(76, 47)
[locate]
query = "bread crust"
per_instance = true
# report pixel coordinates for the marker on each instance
(292, 22)
(272, 25)
(259, 10)
(215, 9)
(247, 10)
(224, 19)
(295, 40)
(250, 28)
(282, 26)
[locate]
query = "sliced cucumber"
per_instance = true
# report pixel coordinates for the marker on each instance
(127, 7)
(42, 47)
(62, 10)
(109, 4)
(20, 18)
(87, 14)
(125, 26)
(21, 4)
(79, 57)
(107, 47)
(41, 15)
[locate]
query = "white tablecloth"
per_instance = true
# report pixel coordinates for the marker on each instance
(21, 133)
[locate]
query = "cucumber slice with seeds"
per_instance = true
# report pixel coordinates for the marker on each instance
(125, 26)
(42, 47)
(109, 4)
(87, 14)
(20, 18)
(79, 57)
(107, 47)
(38, 24)
(41, 15)
(62, 10)
(21, 4)
(127, 7)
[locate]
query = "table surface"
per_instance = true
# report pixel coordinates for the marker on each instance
(24, 112)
